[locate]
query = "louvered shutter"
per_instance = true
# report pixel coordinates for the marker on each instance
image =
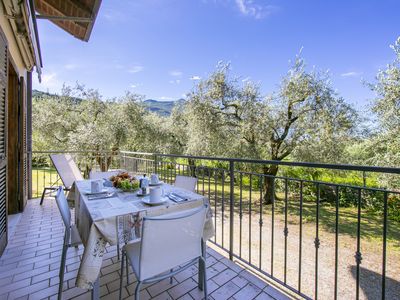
(3, 141)
(22, 146)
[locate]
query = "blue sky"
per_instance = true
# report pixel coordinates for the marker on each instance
(160, 48)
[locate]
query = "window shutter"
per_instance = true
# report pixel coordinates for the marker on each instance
(23, 144)
(3, 141)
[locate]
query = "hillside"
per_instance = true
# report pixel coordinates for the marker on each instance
(163, 108)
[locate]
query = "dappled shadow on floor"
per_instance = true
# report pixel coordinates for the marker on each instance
(371, 284)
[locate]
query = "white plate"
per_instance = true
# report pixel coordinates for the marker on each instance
(95, 193)
(147, 201)
(156, 184)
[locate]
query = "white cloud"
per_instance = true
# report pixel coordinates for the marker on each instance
(135, 69)
(253, 9)
(177, 81)
(195, 77)
(71, 66)
(246, 79)
(175, 73)
(351, 74)
(50, 82)
(135, 85)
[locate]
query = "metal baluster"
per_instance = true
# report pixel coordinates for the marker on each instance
(336, 240)
(358, 255)
(260, 222)
(300, 234)
(209, 188)
(171, 176)
(37, 180)
(44, 178)
(223, 206)
(215, 204)
(203, 181)
(231, 206)
(316, 243)
(285, 231)
(272, 229)
(175, 164)
(240, 214)
(251, 187)
(385, 213)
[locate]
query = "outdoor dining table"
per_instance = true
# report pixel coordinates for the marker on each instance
(96, 221)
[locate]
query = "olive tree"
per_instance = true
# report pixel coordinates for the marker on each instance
(385, 141)
(230, 118)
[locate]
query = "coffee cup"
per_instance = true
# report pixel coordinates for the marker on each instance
(154, 179)
(155, 194)
(96, 186)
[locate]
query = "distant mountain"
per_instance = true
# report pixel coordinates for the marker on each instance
(41, 94)
(163, 108)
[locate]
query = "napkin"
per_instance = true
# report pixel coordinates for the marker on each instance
(176, 198)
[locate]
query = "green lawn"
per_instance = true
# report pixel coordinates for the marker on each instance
(371, 223)
(42, 177)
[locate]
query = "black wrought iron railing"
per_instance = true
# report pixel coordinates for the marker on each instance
(320, 231)
(319, 238)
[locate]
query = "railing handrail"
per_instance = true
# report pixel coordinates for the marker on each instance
(348, 167)
(72, 151)
(375, 169)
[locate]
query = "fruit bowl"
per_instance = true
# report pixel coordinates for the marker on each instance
(125, 182)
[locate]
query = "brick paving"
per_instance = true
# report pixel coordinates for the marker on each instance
(29, 268)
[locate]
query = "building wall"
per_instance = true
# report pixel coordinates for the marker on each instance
(12, 43)
(16, 119)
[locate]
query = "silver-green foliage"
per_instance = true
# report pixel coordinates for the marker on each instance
(385, 142)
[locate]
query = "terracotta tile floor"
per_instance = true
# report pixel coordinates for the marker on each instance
(30, 264)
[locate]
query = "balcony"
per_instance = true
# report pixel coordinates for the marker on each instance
(30, 265)
(305, 244)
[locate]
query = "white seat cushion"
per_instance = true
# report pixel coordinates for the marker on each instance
(75, 237)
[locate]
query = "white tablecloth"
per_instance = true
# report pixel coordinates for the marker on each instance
(96, 222)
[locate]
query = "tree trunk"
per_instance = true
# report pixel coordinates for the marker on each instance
(269, 183)
(192, 167)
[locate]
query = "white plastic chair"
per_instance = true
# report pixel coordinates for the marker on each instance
(186, 182)
(167, 242)
(71, 234)
(68, 171)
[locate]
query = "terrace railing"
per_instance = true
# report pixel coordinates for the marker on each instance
(317, 230)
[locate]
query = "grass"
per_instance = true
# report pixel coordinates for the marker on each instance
(371, 222)
(43, 177)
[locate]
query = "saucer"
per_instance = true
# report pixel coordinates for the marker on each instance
(89, 192)
(156, 184)
(147, 201)
(140, 194)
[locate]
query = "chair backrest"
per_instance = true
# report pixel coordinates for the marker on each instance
(66, 168)
(63, 207)
(186, 182)
(170, 240)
